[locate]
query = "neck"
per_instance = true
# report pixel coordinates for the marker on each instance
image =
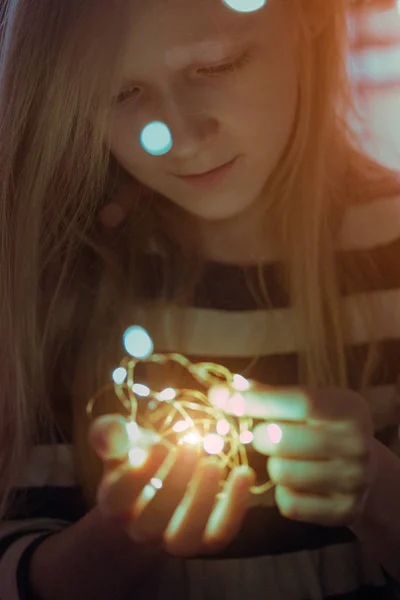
(242, 240)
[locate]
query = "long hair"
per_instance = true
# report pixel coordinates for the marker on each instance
(67, 292)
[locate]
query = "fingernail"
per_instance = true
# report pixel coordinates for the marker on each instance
(219, 396)
(236, 405)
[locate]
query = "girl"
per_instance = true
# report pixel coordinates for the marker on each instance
(283, 266)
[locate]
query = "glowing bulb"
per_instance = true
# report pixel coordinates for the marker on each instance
(156, 482)
(219, 396)
(156, 138)
(167, 394)
(138, 456)
(236, 405)
(274, 433)
(191, 438)
(246, 437)
(245, 6)
(213, 443)
(148, 493)
(119, 375)
(133, 432)
(140, 389)
(240, 383)
(139, 436)
(223, 427)
(181, 426)
(137, 342)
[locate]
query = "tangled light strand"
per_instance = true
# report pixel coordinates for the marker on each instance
(177, 416)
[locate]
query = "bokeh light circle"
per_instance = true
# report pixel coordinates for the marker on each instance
(119, 375)
(274, 433)
(245, 6)
(156, 138)
(213, 443)
(137, 342)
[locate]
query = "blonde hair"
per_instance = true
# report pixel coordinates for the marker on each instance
(67, 292)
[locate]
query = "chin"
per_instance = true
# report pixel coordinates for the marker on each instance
(209, 210)
(214, 214)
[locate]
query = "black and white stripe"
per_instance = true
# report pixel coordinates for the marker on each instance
(272, 557)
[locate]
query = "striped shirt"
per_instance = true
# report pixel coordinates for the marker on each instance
(272, 557)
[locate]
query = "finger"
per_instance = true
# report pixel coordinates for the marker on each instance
(289, 404)
(339, 509)
(184, 533)
(285, 405)
(109, 437)
(121, 487)
(116, 443)
(225, 521)
(323, 477)
(311, 440)
(153, 511)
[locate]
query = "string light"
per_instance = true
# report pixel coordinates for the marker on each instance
(175, 417)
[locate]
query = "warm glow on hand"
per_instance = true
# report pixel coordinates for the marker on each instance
(182, 416)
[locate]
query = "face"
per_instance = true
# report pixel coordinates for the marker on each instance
(224, 83)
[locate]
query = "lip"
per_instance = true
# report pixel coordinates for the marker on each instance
(210, 178)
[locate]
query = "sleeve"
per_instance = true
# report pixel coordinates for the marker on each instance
(392, 584)
(18, 540)
(47, 500)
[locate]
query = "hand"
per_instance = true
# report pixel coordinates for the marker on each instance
(183, 514)
(320, 444)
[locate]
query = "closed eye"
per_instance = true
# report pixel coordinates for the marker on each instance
(225, 68)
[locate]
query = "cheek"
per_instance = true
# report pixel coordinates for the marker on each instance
(284, 102)
(280, 88)
(270, 112)
(126, 149)
(123, 144)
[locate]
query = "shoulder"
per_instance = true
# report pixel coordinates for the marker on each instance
(375, 222)
(371, 216)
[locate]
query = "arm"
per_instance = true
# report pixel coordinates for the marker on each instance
(379, 525)
(90, 560)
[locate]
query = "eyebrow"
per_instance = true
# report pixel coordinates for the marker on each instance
(181, 57)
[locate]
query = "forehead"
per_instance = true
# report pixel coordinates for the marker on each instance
(189, 30)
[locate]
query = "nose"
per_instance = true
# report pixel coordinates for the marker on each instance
(192, 128)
